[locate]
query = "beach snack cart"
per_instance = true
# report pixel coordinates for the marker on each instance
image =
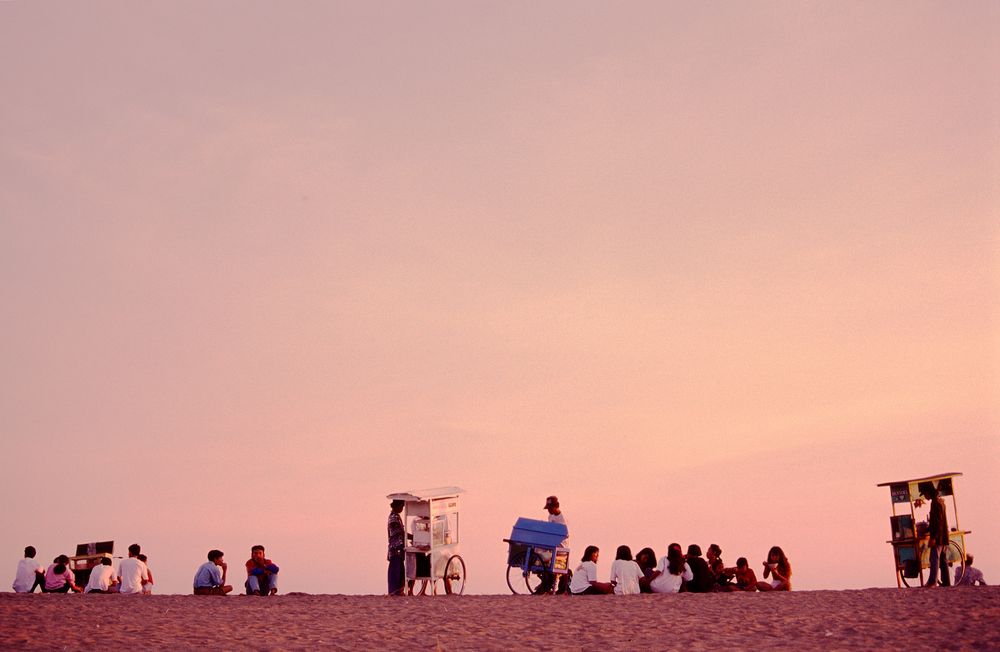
(533, 549)
(430, 517)
(88, 557)
(910, 549)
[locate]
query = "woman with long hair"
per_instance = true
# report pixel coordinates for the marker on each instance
(625, 573)
(779, 570)
(646, 559)
(671, 572)
(584, 580)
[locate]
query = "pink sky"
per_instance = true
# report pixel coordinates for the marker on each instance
(708, 271)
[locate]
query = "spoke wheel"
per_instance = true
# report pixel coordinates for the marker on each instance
(454, 576)
(519, 581)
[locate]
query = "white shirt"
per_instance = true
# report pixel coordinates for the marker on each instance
(25, 578)
(132, 572)
(626, 573)
(100, 578)
(667, 583)
(560, 518)
(583, 576)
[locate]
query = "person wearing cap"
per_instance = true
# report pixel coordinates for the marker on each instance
(555, 516)
(397, 546)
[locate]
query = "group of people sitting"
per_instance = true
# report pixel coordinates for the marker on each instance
(677, 572)
(134, 577)
(262, 574)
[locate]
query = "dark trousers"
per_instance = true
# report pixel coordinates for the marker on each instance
(39, 583)
(397, 575)
(62, 589)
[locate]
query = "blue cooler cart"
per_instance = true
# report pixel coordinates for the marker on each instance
(430, 518)
(535, 548)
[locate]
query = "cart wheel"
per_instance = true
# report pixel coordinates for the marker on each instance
(454, 576)
(956, 554)
(523, 582)
(952, 552)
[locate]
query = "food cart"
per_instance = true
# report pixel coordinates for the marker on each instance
(910, 549)
(88, 557)
(430, 518)
(535, 549)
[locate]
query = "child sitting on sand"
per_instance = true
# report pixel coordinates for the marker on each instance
(147, 587)
(625, 573)
(746, 579)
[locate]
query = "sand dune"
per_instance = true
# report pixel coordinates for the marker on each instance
(873, 618)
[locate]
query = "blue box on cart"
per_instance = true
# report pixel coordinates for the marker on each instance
(538, 533)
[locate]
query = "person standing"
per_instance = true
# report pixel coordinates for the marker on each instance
(132, 572)
(397, 548)
(937, 532)
(555, 516)
(262, 573)
(30, 573)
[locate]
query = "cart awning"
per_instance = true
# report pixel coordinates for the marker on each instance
(930, 478)
(427, 494)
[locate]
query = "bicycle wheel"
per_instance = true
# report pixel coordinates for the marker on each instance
(454, 576)
(519, 581)
(956, 556)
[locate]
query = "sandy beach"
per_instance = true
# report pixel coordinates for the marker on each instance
(863, 619)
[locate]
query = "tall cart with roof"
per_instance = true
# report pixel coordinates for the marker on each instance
(430, 518)
(910, 549)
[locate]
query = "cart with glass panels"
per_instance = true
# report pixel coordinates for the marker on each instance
(535, 556)
(910, 549)
(430, 518)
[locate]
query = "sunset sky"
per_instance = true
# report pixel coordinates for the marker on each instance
(709, 271)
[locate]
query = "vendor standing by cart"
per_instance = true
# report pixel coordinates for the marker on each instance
(555, 516)
(397, 546)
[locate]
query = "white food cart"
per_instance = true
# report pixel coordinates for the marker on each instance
(430, 517)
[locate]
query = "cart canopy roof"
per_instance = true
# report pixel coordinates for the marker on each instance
(930, 478)
(427, 494)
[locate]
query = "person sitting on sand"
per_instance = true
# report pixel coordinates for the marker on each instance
(30, 573)
(132, 572)
(970, 576)
(716, 567)
(209, 579)
(671, 572)
(147, 586)
(59, 578)
(746, 579)
(102, 578)
(703, 578)
(584, 580)
(780, 571)
(262, 574)
(625, 573)
(646, 559)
